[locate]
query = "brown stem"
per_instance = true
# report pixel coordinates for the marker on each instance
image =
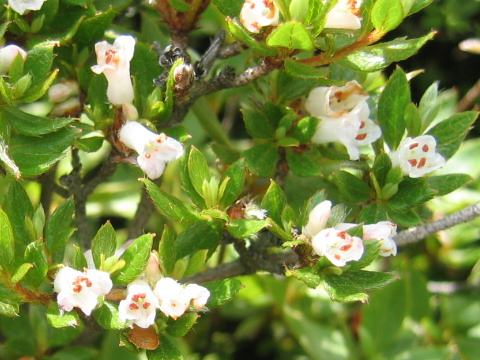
(469, 99)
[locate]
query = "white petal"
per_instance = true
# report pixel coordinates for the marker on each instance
(20, 6)
(317, 219)
(338, 246)
(7, 55)
(198, 295)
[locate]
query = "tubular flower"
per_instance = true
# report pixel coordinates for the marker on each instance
(256, 14)
(81, 289)
(154, 150)
(174, 301)
(343, 114)
(317, 219)
(114, 62)
(140, 305)
(337, 246)
(384, 231)
(20, 6)
(417, 156)
(344, 15)
(7, 55)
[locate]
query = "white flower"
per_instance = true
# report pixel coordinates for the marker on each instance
(256, 14)
(154, 150)
(114, 62)
(383, 231)
(20, 6)
(470, 45)
(174, 300)
(344, 15)
(62, 91)
(81, 289)
(317, 219)
(337, 246)
(417, 156)
(140, 305)
(343, 114)
(253, 212)
(152, 271)
(197, 294)
(7, 55)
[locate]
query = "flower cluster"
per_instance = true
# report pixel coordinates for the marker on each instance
(256, 14)
(337, 245)
(154, 150)
(7, 55)
(343, 114)
(114, 62)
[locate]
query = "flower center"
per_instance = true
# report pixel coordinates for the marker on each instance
(79, 282)
(111, 57)
(139, 301)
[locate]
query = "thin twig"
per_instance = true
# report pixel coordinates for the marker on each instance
(142, 215)
(417, 233)
(469, 99)
(231, 50)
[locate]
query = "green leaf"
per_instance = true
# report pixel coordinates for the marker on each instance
(39, 62)
(451, 132)
(60, 319)
(411, 192)
(352, 188)
(381, 167)
(30, 124)
(257, 124)
(79, 262)
(197, 169)
(305, 128)
(222, 291)
(239, 33)
(300, 70)
(204, 235)
(35, 254)
(93, 28)
(291, 35)
(274, 202)
(21, 272)
(166, 250)
(413, 120)
(445, 184)
(391, 107)
(9, 310)
(7, 243)
(35, 155)
(262, 160)
(196, 262)
(180, 5)
(36, 91)
(170, 206)
(90, 144)
(304, 163)
(83, 3)
(403, 217)
(75, 353)
(186, 181)
(243, 228)
(17, 205)
(236, 175)
(372, 213)
(182, 325)
(165, 351)
(57, 228)
(351, 285)
(104, 242)
(317, 15)
(136, 258)
(387, 15)
(107, 317)
(419, 5)
(229, 7)
(379, 56)
(429, 106)
(370, 253)
(308, 275)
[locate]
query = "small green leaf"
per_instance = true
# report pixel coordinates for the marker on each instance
(57, 228)
(308, 275)
(229, 7)
(411, 192)
(243, 228)
(387, 15)
(181, 326)
(170, 206)
(204, 235)
(79, 262)
(257, 124)
(450, 133)
(17, 205)
(222, 291)
(104, 242)
(262, 160)
(35, 254)
(136, 258)
(7, 243)
(445, 184)
(236, 175)
(391, 107)
(166, 250)
(242, 35)
(274, 202)
(186, 181)
(39, 62)
(429, 106)
(197, 169)
(352, 188)
(291, 35)
(372, 213)
(298, 69)
(165, 351)
(9, 310)
(107, 317)
(196, 262)
(304, 163)
(21, 272)
(93, 28)
(60, 319)
(305, 128)
(413, 120)
(371, 250)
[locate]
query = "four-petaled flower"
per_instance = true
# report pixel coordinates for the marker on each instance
(383, 231)
(256, 14)
(154, 150)
(140, 305)
(81, 289)
(20, 6)
(343, 114)
(417, 156)
(114, 62)
(7, 55)
(344, 15)
(338, 246)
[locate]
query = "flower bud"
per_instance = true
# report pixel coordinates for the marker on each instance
(62, 91)
(129, 112)
(317, 219)
(7, 55)
(67, 108)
